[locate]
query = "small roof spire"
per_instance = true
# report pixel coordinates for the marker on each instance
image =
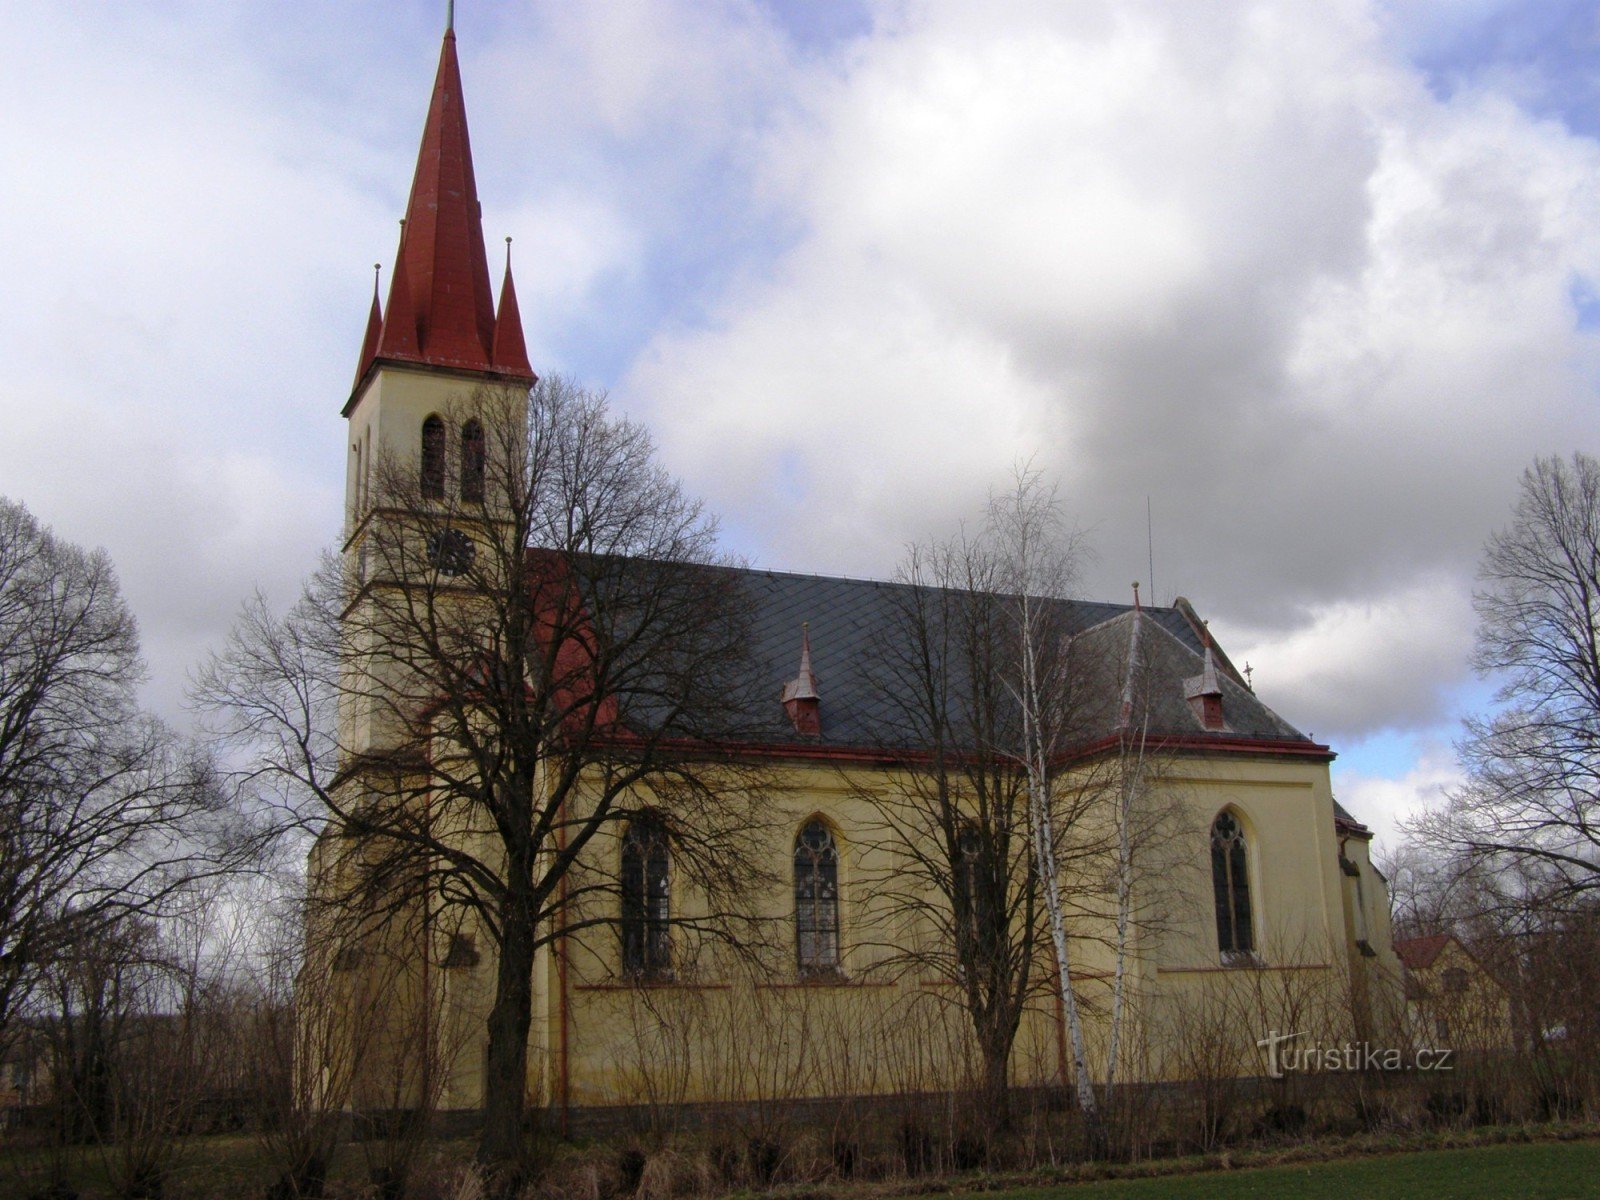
(801, 700)
(804, 685)
(1204, 691)
(508, 351)
(369, 342)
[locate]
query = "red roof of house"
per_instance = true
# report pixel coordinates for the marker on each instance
(441, 310)
(1420, 953)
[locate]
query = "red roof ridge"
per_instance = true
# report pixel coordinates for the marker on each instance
(1420, 953)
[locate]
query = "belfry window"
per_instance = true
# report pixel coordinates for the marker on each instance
(432, 479)
(646, 900)
(472, 462)
(816, 900)
(1230, 883)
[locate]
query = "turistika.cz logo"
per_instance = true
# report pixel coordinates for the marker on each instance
(1284, 1057)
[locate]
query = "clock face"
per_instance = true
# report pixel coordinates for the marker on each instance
(451, 551)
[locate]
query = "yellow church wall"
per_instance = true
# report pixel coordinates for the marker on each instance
(732, 1027)
(729, 1027)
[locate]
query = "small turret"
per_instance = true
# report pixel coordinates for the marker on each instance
(801, 700)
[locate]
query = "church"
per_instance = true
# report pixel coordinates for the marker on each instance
(1252, 901)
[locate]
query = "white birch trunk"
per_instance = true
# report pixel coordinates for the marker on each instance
(1129, 788)
(1044, 842)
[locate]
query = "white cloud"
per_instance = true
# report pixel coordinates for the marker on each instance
(1384, 804)
(1389, 653)
(1236, 258)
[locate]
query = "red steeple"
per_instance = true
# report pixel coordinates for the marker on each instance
(441, 308)
(369, 343)
(509, 352)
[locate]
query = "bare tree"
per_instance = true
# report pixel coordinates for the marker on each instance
(955, 818)
(104, 814)
(529, 643)
(1532, 796)
(1030, 814)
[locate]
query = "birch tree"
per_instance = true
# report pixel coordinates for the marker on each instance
(1039, 559)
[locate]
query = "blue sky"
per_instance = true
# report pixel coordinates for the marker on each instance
(1317, 280)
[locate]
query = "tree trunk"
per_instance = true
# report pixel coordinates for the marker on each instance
(997, 1077)
(506, 1072)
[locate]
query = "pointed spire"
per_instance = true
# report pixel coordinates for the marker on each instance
(369, 342)
(443, 255)
(399, 337)
(804, 685)
(801, 700)
(1208, 676)
(509, 352)
(440, 311)
(1204, 691)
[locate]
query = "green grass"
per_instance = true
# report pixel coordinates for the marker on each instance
(236, 1167)
(1540, 1171)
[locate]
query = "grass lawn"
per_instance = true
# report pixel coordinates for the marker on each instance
(1540, 1171)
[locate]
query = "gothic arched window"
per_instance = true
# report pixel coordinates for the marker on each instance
(816, 900)
(1230, 884)
(646, 900)
(432, 478)
(472, 461)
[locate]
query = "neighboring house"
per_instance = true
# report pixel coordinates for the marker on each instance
(1452, 999)
(1265, 876)
(25, 1074)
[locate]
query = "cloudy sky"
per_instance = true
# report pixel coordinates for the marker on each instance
(1314, 280)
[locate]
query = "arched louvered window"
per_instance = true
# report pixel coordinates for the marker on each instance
(1230, 884)
(432, 478)
(646, 900)
(816, 900)
(472, 461)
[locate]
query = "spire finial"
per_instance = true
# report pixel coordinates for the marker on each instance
(1135, 595)
(508, 252)
(450, 16)
(377, 270)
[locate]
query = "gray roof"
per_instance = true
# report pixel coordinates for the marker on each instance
(851, 620)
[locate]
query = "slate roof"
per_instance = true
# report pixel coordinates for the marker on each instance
(850, 618)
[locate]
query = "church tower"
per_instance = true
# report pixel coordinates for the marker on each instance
(440, 338)
(442, 371)
(435, 417)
